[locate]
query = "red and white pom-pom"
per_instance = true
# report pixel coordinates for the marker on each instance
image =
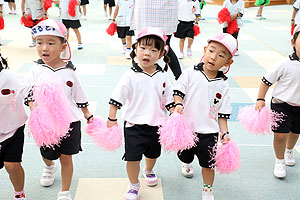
(224, 16)
(71, 8)
(196, 30)
(259, 122)
(27, 22)
(111, 30)
(47, 4)
(44, 130)
(228, 158)
(1, 23)
(97, 125)
(175, 134)
(232, 27)
(292, 29)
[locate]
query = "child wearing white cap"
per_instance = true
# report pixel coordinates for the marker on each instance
(203, 92)
(12, 123)
(54, 51)
(286, 100)
(146, 90)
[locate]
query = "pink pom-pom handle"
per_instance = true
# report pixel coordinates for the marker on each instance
(259, 122)
(175, 134)
(228, 158)
(111, 30)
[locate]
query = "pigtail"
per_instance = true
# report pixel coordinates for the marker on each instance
(3, 63)
(132, 53)
(167, 61)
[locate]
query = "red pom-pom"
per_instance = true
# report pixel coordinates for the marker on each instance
(27, 22)
(47, 4)
(1, 23)
(71, 8)
(232, 27)
(292, 29)
(196, 30)
(111, 29)
(224, 16)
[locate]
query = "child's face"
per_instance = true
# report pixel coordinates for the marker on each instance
(147, 55)
(216, 56)
(49, 48)
(296, 45)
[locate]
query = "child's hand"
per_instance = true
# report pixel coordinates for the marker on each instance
(259, 105)
(178, 108)
(90, 119)
(226, 139)
(111, 123)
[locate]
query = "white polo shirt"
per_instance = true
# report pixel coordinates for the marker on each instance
(188, 10)
(34, 8)
(1, 2)
(296, 6)
(287, 75)
(64, 7)
(142, 93)
(68, 79)
(238, 7)
(12, 115)
(200, 94)
(124, 14)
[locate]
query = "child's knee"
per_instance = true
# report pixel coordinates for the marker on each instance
(12, 167)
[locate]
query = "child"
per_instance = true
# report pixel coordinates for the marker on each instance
(71, 22)
(202, 3)
(12, 123)
(286, 100)
(12, 6)
(236, 9)
(122, 17)
(35, 9)
(146, 91)
(83, 4)
(111, 4)
(53, 49)
(189, 11)
(296, 14)
(261, 4)
(204, 89)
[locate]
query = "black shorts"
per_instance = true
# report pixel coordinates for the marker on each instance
(71, 23)
(111, 3)
(235, 34)
(11, 150)
(68, 146)
(291, 119)
(185, 29)
(139, 140)
(124, 31)
(203, 150)
(84, 2)
(13, 1)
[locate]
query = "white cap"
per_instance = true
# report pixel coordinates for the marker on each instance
(227, 40)
(55, 28)
(152, 31)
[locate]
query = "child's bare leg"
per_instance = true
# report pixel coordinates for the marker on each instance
(128, 41)
(84, 10)
(16, 174)
(181, 44)
(48, 162)
(110, 12)
(68, 32)
(279, 143)
(190, 42)
(208, 175)
(292, 140)
(66, 171)
(133, 170)
(150, 162)
(260, 9)
(78, 35)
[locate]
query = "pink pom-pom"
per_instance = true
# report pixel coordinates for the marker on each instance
(44, 129)
(27, 22)
(228, 158)
(175, 134)
(196, 30)
(97, 125)
(111, 29)
(232, 27)
(47, 4)
(224, 16)
(1, 23)
(71, 8)
(259, 122)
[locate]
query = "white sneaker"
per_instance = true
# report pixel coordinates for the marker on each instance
(187, 170)
(237, 53)
(150, 177)
(258, 17)
(289, 157)
(20, 197)
(181, 55)
(64, 195)
(207, 194)
(127, 54)
(279, 169)
(105, 14)
(124, 49)
(84, 17)
(189, 52)
(132, 193)
(47, 178)
(80, 46)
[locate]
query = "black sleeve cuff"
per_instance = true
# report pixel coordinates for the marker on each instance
(170, 105)
(29, 97)
(296, 8)
(266, 81)
(178, 93)
(82, 105)
(221, 115)
(115, 103)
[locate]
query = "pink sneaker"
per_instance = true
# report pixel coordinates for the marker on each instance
(150, 177)
(132, 193)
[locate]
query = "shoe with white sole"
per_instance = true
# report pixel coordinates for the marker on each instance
(150, 177)
(279, 169)
(289, 157)
(187, 170)
(47, 178)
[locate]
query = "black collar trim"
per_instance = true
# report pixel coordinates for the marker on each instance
(68, 65)
(1, 68)
(294, 56)
(220, 74)
(136, 68)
